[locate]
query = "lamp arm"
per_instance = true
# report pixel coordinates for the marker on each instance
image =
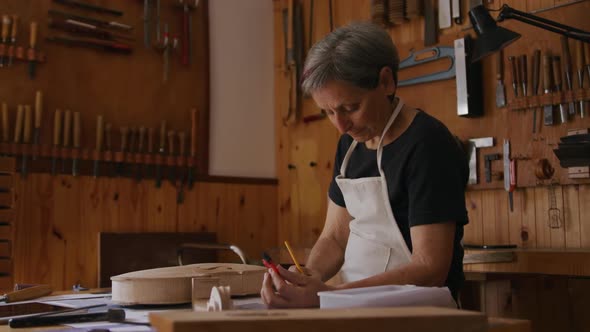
(571, 32)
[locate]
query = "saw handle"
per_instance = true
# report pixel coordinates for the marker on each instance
(28, 293)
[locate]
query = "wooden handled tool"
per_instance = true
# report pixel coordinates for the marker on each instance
(99, 141)
(121, 164)
(161, 150)
(108, 140)
(4, 38)
(580, 63)
(150, 144)
(38, 118)
(181, 152)
(567, 70)
(13, 32)
(5, 133)
(557, 83)
(523, 73)
(67, 128)
(19, 124)
(500, 94)
(514, 75)
(171, 152)
(27, 294)
(547, 83)
(26, 138)
(56, 139)
(536, 65)
(76, 142)
(140, 149)
(32, 45)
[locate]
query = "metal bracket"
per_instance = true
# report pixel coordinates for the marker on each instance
(422, 57)
(474, 144)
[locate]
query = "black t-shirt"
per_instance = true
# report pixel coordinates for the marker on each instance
(426, 171)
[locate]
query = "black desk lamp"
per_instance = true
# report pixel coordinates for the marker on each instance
(492, 38)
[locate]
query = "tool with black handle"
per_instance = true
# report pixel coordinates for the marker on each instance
(99, 142)
(161, 151)
(580, 64)
(26, 139)
(547, 83)
(29, 293)
(56, 140)
(108, 140)
(514, 74)
(140, 149)
(536, 69)
(66, 138)
(500, 90)
(12, 47)
(193, 149)
(76, 151)
(181, 177)
(38, 118)
(171, 153)
(563, 114)
(121, 164)
(32, 47)
(567, 70)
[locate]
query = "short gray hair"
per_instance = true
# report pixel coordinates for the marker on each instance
(354, 53)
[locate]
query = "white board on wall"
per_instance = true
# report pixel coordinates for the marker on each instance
(241, 141)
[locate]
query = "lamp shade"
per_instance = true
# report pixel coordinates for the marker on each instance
(490, 37)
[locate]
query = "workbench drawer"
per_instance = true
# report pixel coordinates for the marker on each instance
(5, 248)
(6, 199)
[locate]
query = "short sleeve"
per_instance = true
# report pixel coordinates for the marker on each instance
(334, 190)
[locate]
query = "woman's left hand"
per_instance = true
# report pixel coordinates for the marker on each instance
(291, 289)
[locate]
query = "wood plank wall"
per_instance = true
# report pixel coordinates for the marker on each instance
(305, 155)
(58, 220)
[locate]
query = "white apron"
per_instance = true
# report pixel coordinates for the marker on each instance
(375, 243)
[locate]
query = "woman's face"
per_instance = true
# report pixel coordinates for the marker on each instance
(355, 111)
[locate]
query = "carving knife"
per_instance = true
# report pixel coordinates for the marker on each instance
(500, 94)
(567, 69)
(99, 141)
(193, 151)
(38, 117)
(181, 152)
(161, 151)
(26, 138)
(580, 70)
(56, 140)
(67, 132)
(558, 86)
(121, 164)
(523, 73)
(514, 74)
(172, 170)
(547, 83)
(140, 144)
(76, 143)
(32, 45)
(536, 65)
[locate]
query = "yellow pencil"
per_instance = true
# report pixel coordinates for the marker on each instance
(293, 258)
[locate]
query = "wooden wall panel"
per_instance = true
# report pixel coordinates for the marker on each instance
(59, 218)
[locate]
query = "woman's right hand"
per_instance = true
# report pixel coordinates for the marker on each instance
(308, 272)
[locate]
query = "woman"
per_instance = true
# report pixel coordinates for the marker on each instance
(396, 206)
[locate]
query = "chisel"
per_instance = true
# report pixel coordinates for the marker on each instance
(547, 83)
(76, 143)
(29, 293)
(31, 51)
(66, 138)
(121, 164)
(38, 117)
(522, 60)
(181, 178)
(567, 69)
(56, 140)
(587, 57)
(563, 114)
(18, 126)
(161, 151)
(150, 150)
(514, 75)
(172, 170)
(26, 139)
(500, 94)
(193, 151)
(580, 70)
(11, 48)
(536, 66)
(5, 133)
(4, 38)
(140, 150)
(108, 134)
(507, 174)
(99, 141)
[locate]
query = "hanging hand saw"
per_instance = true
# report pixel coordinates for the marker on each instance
(425, 56)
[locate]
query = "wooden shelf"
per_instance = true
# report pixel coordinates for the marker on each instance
(570, 262)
